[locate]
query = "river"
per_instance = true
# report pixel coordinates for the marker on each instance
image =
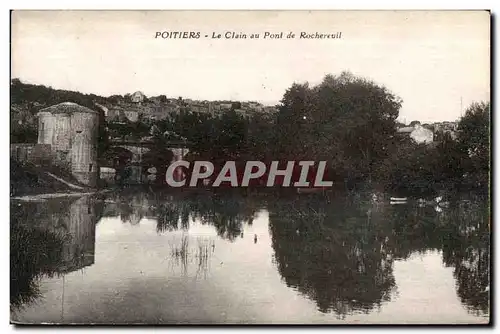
(134, 256)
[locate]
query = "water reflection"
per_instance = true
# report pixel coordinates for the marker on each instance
(467, 250)
(226, 213)
(50, 238)
(339, 253)
(184, 252)
(334, 253)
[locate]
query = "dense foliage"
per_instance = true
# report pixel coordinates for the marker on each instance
(346, 120)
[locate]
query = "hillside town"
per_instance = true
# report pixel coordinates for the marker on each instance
(137, 106)
(256, 167)
(429, 133)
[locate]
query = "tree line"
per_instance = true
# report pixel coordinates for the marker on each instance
(346, 120)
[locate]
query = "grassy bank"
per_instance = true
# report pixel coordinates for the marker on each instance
(28, 179)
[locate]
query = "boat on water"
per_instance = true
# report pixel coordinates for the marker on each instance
(310, 190)
(398, 200)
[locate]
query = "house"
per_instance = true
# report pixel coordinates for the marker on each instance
(226, 106)
(104, 109)
(447, 127)
(121, 113)
(418, 133)
(199, 108)
(132, 115)
(137, 97)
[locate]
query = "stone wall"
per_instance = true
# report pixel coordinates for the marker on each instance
(84, 127)
(38, 154)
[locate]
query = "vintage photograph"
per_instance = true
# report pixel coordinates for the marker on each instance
(250, 167)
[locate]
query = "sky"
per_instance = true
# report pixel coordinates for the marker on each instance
(437, 62)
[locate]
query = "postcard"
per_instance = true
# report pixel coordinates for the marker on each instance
(250, 167)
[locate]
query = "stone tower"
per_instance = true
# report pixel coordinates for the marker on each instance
(72, 132)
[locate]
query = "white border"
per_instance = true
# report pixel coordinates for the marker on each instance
(186, 4)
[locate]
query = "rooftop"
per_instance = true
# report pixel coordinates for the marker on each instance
(406, 129)
(68, 108)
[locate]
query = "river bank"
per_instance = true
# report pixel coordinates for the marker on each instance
(42, 197)
(32, 180)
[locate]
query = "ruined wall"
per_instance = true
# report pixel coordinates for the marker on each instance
(71, 131)
(61, 142)
(45, 128)
(38, 154)
(62, 132)
(55, 130)
(84, 131)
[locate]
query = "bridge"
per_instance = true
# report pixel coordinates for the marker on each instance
(138, 161)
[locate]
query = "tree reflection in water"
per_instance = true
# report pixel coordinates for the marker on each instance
(331, 253)
(341, 254)
(227, 213)
(337, 252)
(468, 251)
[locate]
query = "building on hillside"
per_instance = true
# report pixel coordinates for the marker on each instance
(113, 115)
(157, 114)
(71, 131)
(104, 109)
(172, 108)
(226, 106)
(199, 108)
(137, 97)
(160, 111)
(242, 112)
(132, 115)
(211, 108)
(270, 109)
(254, 105)
(453, 134)
(130, 112)
(450, 128)
(418, 133)
(445, 126)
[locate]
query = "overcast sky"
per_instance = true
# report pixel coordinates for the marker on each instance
(432, 60)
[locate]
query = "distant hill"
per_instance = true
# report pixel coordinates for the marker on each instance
(28, 99)
(40, 95)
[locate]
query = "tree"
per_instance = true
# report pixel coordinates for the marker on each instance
(260, 137)
(231, 135)
(115, 99)
(292, 126)
(449, 168)
(474, 141)
(346, 120)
